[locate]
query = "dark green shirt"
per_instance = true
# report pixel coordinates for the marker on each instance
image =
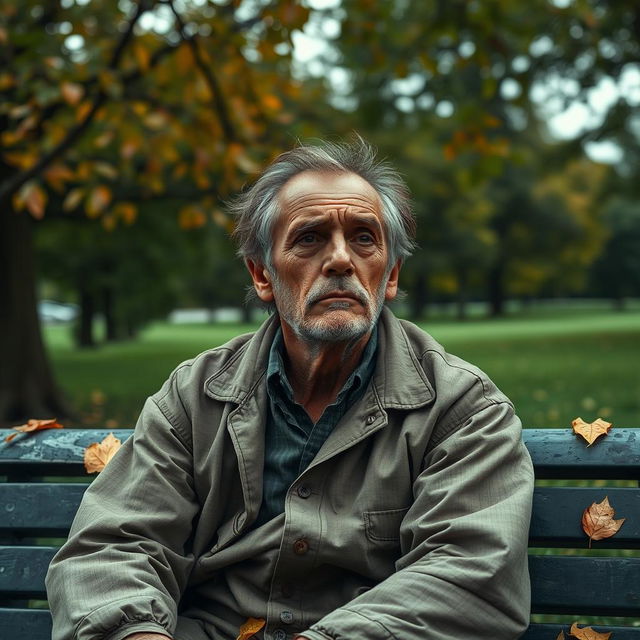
(292, 439)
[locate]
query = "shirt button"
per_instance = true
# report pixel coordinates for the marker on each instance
(286, 617)
(279, 634)
(300, 547)
(371, 418)
(303, 491)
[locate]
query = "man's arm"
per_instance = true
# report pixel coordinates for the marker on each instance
(464, 569)
(125, 564)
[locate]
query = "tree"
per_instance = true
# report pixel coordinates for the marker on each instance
(109, 104)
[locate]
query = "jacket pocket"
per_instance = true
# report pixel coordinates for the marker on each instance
(384, 526)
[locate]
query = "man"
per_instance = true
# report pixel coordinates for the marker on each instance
(336, 475)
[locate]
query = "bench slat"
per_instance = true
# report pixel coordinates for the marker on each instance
(557, 514)
(25, 624)
(600, 586)
(29, 508)
(551, 631)
(22, 571)
(557, 453)
(615, 456)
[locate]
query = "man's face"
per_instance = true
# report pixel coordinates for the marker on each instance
(330, 275)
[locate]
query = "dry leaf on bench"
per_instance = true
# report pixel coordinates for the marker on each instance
(98, 454)
(590, 431)
(598, 522)
(34, 425)
(587, 633)
(560, 636)
(250, 628)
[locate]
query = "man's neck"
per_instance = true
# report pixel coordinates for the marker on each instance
(317, 371)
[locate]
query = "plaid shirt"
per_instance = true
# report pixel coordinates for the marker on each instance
(292, 439)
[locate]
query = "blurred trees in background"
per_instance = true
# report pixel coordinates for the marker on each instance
(124, 126)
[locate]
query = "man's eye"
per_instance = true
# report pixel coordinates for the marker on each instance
(307, 238)
(365, 238)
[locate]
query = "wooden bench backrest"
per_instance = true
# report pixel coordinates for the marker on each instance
(602, 582)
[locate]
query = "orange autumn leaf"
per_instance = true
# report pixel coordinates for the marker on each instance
(34, 425)
(98, 454)
(587, 633)
(598, 522)
(72, 92)
(560, 636)
(250, 628)
(590, 431)
(98, 200)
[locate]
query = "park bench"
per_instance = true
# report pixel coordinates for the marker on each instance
(36, 510)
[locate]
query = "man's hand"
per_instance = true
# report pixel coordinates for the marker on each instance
(144, 635)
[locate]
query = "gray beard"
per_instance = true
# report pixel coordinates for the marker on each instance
(321, 330)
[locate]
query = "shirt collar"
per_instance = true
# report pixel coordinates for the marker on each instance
(278, 385)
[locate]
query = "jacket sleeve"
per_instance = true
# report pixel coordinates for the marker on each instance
(126, 562)
(463, 572)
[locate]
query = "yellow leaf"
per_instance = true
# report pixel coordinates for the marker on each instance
(598, 522)
(272, 102)
(98, 454)
(57, 174)
(250, 628)
(34, 425)
(72, 92)
(98, 200)
(73, 199)
(142, 56)
(191, 217)
(590, 431)
(34, 198)
(587, 633)
(127, 211)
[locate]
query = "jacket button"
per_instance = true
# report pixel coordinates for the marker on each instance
(300, 547)
(286, 617)
(303, 491)
(279, 634)
(371, 418)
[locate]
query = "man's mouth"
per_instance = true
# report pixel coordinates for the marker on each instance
(339, 295)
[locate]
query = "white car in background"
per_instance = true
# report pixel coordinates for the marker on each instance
(52, 312)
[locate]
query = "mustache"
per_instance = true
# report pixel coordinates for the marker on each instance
(322, 288)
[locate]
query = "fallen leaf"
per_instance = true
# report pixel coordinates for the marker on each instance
(590, 431)
(598, 522)
(587, 633)
(34, 425)
(98, 454)
(560, 636)
(250, 628)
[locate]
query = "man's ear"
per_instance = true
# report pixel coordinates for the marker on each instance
(391, 289)
(261, 280)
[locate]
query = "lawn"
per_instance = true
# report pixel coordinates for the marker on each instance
(554, 364)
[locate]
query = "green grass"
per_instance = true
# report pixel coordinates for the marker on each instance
(554, 364)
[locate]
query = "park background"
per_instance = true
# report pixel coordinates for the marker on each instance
(126, 126)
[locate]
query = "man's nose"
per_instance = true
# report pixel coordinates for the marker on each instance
(338, 260)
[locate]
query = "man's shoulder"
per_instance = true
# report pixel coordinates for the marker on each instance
(451, 376)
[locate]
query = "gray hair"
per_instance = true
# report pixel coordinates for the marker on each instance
(257, 208)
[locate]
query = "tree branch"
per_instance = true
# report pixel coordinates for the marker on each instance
(10, 186)
(219, 103)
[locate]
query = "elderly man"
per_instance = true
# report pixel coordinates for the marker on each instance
(336, 475)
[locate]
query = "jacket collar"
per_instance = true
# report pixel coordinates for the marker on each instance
(399, 380)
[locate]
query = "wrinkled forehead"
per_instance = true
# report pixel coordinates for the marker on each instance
(324, 188)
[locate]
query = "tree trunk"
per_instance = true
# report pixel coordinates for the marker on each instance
(108, 308)
(84, 335)
(27, 388)
(496, 290)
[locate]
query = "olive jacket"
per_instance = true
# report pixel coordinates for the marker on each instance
(411, 522)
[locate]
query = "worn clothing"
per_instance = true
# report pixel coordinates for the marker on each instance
(292, 440)
(410, 523)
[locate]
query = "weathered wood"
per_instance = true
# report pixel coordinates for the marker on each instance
(25, 624)
(22, 571)
(30, 509)
(557, 453)
(572, 585)
(557, 514)
(551, 631)
(597, 586)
